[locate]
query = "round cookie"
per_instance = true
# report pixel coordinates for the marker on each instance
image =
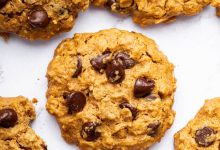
(111, 90)
(15, 133)
(203, 132)
(39, 19)
(147, 13)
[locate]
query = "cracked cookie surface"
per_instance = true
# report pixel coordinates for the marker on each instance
(111, 90)
(203, 132)
(15, 134)
(150, 12)
(39, 19)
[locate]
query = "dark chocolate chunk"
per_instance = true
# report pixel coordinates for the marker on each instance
(115, 72)
(130, 107)
(3, 3)
(75, 101)
(99, 63)
(8, 118)
(125, 60)
(153, 128)
(143, 87)
(78, 69)
(88, 131)
(203, 136)
(38, 17)
(109, 3)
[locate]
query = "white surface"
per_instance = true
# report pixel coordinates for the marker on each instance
(191, 43)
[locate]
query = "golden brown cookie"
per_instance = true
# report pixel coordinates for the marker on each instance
(203, 132)
(216, 3)
(39, 19)
(152, 12)
(111, 90)
(15, 134)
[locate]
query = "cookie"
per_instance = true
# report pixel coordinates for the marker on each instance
(147, 13)
(216, 4)
(39, 19)
(111, 90)
(203, 132)
(15, 134)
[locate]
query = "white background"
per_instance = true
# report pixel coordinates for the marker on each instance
(191, 43)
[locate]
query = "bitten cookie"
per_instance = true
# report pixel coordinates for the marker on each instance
(15, 133)
(203, 132)
(38, 19)
(111, 90)
(147, 13)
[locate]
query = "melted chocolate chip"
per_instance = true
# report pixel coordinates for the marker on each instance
(89, 132)
(125, 60)
(153, 128)
(115, 72)
(203, 136)
(143, 87)
(3, 3)
(38, 17)
(78, 69)
(75, 101)
(130, 107)
(99, 63)
(8, 118)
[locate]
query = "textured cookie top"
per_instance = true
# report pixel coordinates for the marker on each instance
(38, 19)
(15, 117)
(203, 132)
(155, 11)
(111, 90)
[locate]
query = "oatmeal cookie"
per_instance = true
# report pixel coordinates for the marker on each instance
(151, 12)
(111, 90)
(15, 133)
(203, 132)
(39, 19)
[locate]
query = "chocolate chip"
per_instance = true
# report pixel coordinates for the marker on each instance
(3, 3)
(125, 60)
(143, 87)
(89, 132)
(153, 128)
(78, 69)
(130, 107)
(44, 146)
(75, 101)
(115, 72)
(99, 63)
(8, 118)
(203, 137)
(109, 3)
(38, 17)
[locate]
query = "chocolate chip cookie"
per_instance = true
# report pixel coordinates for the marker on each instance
(38, 19)
(111, 90)
(147, 13)
(15, 133)
(203, 132)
